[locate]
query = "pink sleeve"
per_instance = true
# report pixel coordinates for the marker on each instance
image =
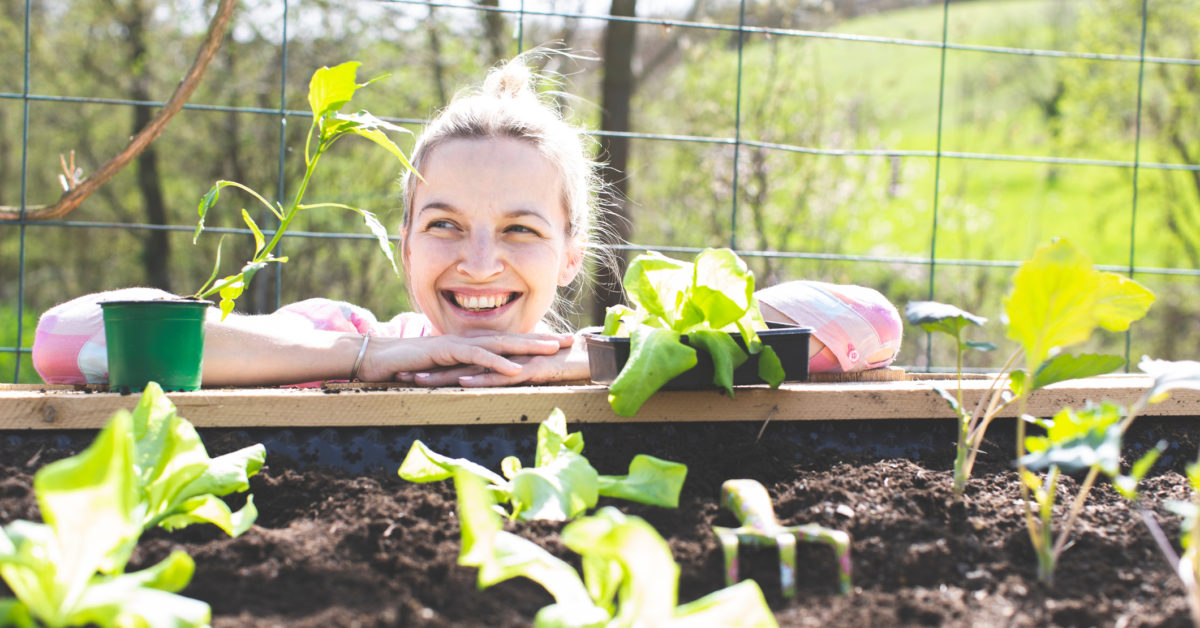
(68, 346)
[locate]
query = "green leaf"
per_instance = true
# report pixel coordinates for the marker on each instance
(935, 317)
(500, 555)
(656, 356)
(14, 613)
(770, 369)
(206, 202)
(145, 598)
(368, 126)
(1065, 366)
(381, 236)
(331, 88)
(722, 288)
(657, 284)
(424, 465)
(1126, 485)
(614, 315)
(741, 605)
(725, 352)
(980, 346)
(177, 480)
(1169, 376)
(1058, 299)
(649, 589)
(100, 481)
(1088, 439)
(562, 489)
(651, 481)
(259, 240)
(953, 401)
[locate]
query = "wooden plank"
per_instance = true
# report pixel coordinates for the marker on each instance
(26, 407)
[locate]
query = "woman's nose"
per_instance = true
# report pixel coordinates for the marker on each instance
(481, 259)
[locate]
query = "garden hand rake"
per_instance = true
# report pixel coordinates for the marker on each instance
(749, 501)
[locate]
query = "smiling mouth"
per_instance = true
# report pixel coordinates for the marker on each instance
(480, 303)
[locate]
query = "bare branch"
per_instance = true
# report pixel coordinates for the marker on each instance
(73, 197)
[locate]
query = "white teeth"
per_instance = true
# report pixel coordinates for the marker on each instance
(479, 303)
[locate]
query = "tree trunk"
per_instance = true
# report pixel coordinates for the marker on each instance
(616, 93)
(156, 245)
(493, 22)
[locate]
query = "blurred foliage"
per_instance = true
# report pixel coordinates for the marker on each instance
(827, 96)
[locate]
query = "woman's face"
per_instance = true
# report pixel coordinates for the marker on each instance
(486, 245)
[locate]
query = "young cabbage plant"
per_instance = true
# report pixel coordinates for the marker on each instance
(950, 320)
(1170, 376)
(329, 91)
(562, 484)
(1058, 300)
(1088, 439)
(1091, 440)
(707, 301)
(92, 517)
(629, 576)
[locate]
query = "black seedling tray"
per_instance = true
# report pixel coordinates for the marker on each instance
(607, 356)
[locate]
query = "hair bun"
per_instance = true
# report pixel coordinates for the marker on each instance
(511, 80)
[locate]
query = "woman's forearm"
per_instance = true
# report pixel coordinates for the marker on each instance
(256, 350)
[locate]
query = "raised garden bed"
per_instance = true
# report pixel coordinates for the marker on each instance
(341, 540)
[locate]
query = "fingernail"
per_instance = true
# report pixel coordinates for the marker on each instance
(422, 375)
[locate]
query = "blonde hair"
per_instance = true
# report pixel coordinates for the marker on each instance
(509, 104)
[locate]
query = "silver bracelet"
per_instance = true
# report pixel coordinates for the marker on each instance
(362, 352)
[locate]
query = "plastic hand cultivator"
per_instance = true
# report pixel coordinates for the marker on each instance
(750, 502)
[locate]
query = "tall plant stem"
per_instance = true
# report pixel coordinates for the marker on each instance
(1073, 514)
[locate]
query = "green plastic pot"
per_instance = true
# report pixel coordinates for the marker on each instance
(155, 341)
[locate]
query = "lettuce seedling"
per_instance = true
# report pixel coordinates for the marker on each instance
(629, 576)
(93, 517)
(707, 301)
(329, 90)
(146, 468)
(1058, 299)
(178, 482)
(562, 484)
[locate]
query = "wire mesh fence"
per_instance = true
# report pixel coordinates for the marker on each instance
(922, 149)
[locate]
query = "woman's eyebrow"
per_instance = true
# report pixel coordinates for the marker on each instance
(523, 212)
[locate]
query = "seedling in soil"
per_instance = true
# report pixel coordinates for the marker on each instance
(750, 502)
(144, 469)
(950, 320)
(1058, 299)
(1091, 439)
(706, 300)
(629, 576)
(562, 484)
(329, 91)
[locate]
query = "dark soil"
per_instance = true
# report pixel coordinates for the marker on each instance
(342, 541)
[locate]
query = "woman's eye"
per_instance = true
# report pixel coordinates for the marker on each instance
(439, 224)
(521, 229)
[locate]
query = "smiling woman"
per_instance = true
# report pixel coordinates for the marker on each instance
(499, 219)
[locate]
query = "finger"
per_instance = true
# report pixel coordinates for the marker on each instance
(446, 377)
(521, 343)
(484, 380)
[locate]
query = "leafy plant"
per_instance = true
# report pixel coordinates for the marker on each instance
(92, 519)
(329, 90)
(562, 484)
(950, 320)
(707, 301)
(145, 468)
(1058, 299)
(1090, 440)
(629, 576)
